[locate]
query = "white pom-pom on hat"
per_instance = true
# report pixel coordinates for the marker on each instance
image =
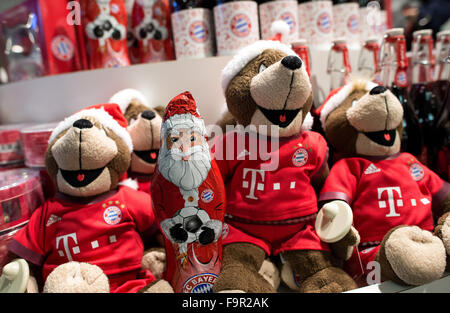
(280, 29)
(123, 98)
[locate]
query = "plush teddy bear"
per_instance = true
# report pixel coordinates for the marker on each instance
(272, 173)
(144, 127)
(392, 195)
(92, 227)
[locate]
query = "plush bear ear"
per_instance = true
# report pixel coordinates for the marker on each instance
(160, 110)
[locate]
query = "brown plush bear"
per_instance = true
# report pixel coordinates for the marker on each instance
(271, 209)
(392, 195)
(144, 127)
(88, 236)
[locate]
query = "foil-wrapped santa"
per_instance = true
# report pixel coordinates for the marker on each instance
(188, 199)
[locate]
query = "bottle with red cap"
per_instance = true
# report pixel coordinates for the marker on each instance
(441, 89)
(346, 21)
(315, 20)
(394, 65)
(421, 94)
(237, 25)
(442, 67)
(339, 67)
(301, 48)
(368, 65)
(193, 28)
(273, 10)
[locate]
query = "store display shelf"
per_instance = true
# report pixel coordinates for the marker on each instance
(51, 98)
(438, 286)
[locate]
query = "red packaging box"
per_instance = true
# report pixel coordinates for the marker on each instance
(38, 39)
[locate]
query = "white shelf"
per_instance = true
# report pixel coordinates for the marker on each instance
(438, 286)
(52, 98)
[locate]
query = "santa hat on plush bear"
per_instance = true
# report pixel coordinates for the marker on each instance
(338, 95)
(248, 53)
(109, 114)
(182, 113)
(124, 97)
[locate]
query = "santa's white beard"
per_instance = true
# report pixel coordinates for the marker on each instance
(188, 174)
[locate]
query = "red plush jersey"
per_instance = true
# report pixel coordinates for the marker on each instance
(104, 233)
(144, 182)
(385, 192)
(269, 183)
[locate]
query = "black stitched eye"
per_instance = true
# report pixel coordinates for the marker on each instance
(262, 67)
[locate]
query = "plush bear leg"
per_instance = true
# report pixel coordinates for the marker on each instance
(316, 272)
(240, 267)
(442, 230)
(158, 286)
(75, 277)
(409, 255)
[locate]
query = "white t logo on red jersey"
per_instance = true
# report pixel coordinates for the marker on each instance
(65, 239)
(253, 184)
(390, 200)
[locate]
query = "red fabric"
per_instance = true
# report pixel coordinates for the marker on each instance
(275, 239)
(278, 193)
(358, 266)
(112, 109)
(61, 230)
(184, 103)
(385, 193)
(130, 282)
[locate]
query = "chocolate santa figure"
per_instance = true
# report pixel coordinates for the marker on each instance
(188, 199)
(105, 25)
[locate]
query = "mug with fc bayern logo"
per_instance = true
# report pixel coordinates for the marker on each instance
(237, 25)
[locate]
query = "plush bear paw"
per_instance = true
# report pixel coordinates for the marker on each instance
(343, 249)
(411, 256)
(442, 230)
(158, 286)
(155, 261)
(270, 273)
(75, 277)
(328, 280)
(238, 278)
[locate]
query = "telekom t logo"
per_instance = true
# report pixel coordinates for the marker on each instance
(65, 240)
(390, 200)
(253, 184)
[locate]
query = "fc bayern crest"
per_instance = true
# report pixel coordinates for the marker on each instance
(201, 283)
(300, 157)
(400, 79)
(290, 20)
(62, 48)
(324, 22)
(207, 195)
(198, 32)
(416, 171)
(112, 215)
(352, 23)
(241, 25)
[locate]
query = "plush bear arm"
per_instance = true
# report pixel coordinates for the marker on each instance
(317, 181)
